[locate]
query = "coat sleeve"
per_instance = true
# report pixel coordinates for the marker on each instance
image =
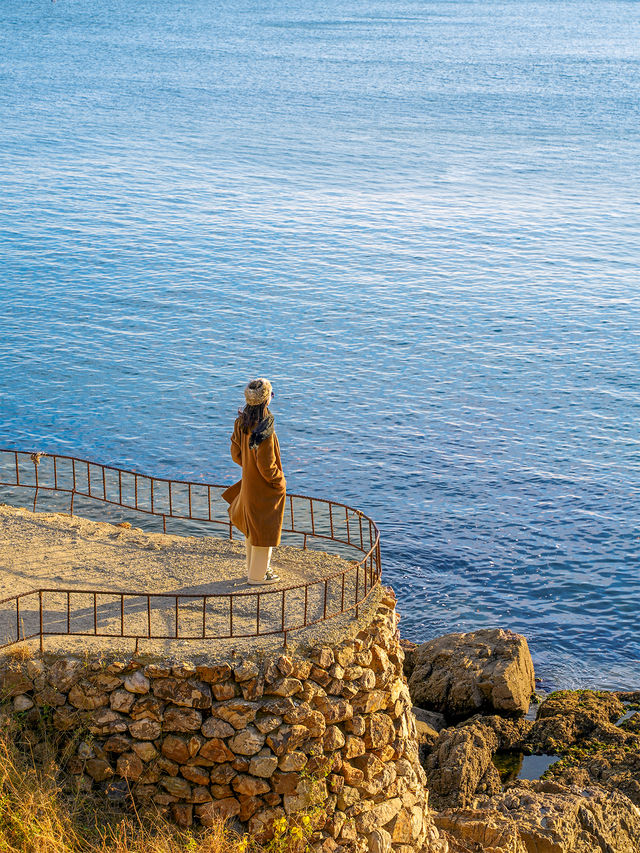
(268, 464)
(236, 446)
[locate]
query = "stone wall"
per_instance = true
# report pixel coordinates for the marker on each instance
(250, 739)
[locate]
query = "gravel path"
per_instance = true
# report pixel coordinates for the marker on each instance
(55, 551)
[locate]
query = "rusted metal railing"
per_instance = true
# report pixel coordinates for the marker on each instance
(170, 616)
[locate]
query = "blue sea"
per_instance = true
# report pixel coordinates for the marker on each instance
(419, 218)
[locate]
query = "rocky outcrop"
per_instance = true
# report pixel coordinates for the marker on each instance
(482, 672)
(541, 817)
(580, 725)
(329, 731)
(567, 718)
(460, 766)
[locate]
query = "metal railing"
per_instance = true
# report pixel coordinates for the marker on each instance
(179, 616)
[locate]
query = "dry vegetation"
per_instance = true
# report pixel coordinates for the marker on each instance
(41, 813)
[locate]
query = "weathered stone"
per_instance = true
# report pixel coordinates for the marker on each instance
(379, 731)
(323, 657)
(284, 687)
(215, 750)
(145, 750)
(287, 739)
(461, 674)
(148, 708)
(247, 742)
(181, 720)
(308, 793)
(315, 723)
(354, 746)
(284, 783)
(182, 814)
(129, 766)
(99, 769)
(568, 718)
(22, 703)
(48, 697)
(196, 775)
(353, 776)
(379, 841)
(253, 689)
(145, 729)
(136, 682)
(224, 690)
(117, 743)
(121, 700)
(218, 810)
(176, 786)
(379, 815)
(185, 669)
(249, 785)
(248, 806)
(293, 761)
(356, 726)
(222, 774)
(221, 792)
(542, 816)
(461, 765)
(431, 718)
(320, 676)
(333, 739)
(241, 764)
(104, 721)
(200, 794)
(333, 710)
(213, 674)
(370, 701)
(263, 765)
(245, 671)
(285, 665)
(214, 727)
(238, 712)
(86, 697)
(156, 670)
(64, 673)
(278, 707)
(185, 693)
(267, 723)
(175, 748)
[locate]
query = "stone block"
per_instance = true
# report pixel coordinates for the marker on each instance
(145, 729)
(136, 682)
(249, 741)
(181, 720)
(216, 750)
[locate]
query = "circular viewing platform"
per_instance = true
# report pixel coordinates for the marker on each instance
(114, 559)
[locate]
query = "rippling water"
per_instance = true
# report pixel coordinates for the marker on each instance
(420, 219)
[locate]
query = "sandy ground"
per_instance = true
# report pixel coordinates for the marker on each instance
(56, 552)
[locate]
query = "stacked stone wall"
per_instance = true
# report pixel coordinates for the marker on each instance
(248, 739)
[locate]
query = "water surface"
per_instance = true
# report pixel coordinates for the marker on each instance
(419, 219)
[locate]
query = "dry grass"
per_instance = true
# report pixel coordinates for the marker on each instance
(42, 812)
(39, 814)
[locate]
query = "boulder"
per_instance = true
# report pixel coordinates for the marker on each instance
(460, 766)
(568, 717)
(547, 818)
(463, 674)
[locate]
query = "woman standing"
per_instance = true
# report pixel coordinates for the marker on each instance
(257, 501)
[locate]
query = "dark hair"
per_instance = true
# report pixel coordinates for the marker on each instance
(252, 415)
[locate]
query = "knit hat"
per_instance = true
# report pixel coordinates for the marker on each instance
(258, 391)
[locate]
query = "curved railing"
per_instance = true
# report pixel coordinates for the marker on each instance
(196, 507)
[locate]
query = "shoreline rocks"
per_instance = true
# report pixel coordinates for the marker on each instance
(484, 671)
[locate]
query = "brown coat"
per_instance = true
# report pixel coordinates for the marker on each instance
(257, 502)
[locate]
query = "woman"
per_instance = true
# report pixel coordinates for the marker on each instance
(256, 503)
